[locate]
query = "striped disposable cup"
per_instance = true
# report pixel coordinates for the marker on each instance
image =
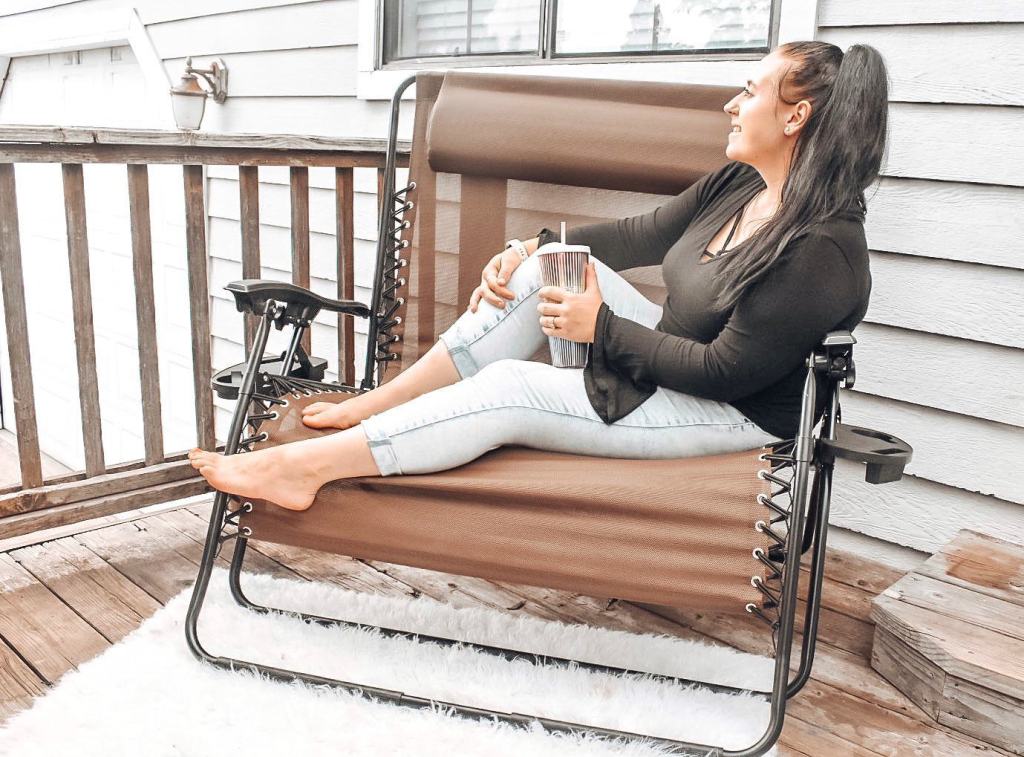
(565, 266)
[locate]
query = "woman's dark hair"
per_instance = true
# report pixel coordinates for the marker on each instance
(837, 154)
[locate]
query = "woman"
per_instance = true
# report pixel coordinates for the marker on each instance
(761, 258)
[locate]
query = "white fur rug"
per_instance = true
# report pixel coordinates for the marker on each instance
(148, 695)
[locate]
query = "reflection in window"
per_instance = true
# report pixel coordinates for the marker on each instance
(439, 28)
(660, 26)
(460, 27)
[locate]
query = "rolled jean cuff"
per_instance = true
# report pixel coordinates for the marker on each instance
(460, 354)
(381, 450)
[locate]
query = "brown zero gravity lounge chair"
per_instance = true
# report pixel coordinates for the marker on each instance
(496, 156)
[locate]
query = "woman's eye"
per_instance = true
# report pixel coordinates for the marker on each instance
(748, 92)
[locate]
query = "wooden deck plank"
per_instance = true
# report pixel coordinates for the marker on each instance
(876, 728)
(800, 737)
(965, 651)
(960, 604)
(18, 683)
(950, 637)
(195, 529)
(981, 563)
(107, 600)
(47, 633)
(854, 570)
(156, 565)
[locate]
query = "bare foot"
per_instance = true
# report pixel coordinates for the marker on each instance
(345, 414)
(280, 474)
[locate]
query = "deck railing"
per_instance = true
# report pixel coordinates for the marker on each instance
(159, 476)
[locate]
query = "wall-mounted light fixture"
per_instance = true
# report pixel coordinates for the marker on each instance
(188, 98)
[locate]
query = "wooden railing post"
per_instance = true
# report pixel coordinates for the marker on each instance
(299, 180)
(81, 305)
(249, 216)
(145, 313)
(344, 234)
(16, 318)
(199, 298)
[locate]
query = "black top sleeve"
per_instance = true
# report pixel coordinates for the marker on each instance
(774, 325)
(643, 239)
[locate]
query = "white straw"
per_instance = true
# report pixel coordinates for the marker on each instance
(563, 232)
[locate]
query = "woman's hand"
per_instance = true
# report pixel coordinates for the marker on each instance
(493, 279)
(575, 314)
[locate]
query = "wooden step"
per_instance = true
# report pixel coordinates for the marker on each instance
(950, 636)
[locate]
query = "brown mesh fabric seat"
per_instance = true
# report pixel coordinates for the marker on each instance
(719, 533)
(673, 532)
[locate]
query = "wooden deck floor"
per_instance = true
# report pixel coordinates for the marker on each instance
(66, 600)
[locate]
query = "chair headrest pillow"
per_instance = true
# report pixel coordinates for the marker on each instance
(655, 137)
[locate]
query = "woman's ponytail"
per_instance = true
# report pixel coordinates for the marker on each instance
(848, 143)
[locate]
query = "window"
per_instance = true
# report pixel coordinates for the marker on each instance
(547, 30)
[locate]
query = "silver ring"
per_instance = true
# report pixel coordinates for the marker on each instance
(551, 321)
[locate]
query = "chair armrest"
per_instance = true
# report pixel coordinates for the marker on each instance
(252, 294)
(886, 455)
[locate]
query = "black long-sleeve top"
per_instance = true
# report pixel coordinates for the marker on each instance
(751, 356)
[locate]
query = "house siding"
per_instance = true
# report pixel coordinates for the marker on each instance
(939, 356)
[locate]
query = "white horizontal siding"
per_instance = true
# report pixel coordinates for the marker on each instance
(324, 116)
(932, 218)
(950, 448)
(312, 72)
(886, 12)
(940, 355)
(159, 11)
(916, 512)
(291, 27)
(978, 64)
(956, 142)
(959, 375)
(917, 293)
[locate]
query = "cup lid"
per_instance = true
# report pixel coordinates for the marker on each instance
(559, 247)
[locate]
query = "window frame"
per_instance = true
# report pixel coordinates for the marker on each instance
(547, 56)
(791, 20)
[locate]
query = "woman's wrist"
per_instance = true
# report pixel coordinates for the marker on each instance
(531, 245)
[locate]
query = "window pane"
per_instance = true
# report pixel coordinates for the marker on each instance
(672, 25)
(421, 28)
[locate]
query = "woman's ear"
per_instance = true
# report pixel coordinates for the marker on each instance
(798, 119)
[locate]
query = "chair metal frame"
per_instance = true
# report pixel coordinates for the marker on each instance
(805, 518)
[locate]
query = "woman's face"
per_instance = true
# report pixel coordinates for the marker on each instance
(762, 118)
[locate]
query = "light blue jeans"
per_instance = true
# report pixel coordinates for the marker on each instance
(505, 398)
